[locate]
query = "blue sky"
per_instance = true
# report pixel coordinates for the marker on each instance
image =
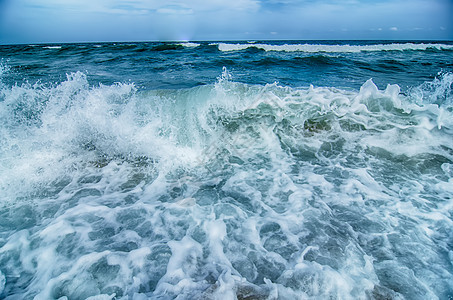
(46, 21)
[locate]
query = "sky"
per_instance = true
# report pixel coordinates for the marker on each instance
(58, 21)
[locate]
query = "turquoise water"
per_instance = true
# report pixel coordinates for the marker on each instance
(227, 170)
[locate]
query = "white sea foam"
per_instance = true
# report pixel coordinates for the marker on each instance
(4, 68)
(225, 191)
(312, 48)
(52, 47)
(189, 44)
(2, 282)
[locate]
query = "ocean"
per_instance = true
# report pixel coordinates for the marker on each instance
(227, 170)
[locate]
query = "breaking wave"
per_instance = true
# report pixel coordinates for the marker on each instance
(312, 48)
(226, 190)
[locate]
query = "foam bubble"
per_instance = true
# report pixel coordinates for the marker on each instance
(2, 282)
(3, 68)
(102, 297)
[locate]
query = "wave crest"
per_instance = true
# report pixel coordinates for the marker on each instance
(311, 48)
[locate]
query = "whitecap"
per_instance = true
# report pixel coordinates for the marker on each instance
(189, 44)
(52, 47)
(319, 48)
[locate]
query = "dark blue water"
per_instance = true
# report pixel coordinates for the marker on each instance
(185, 65)
(227, 170)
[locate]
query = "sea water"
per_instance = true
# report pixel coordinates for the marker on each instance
(227, 170)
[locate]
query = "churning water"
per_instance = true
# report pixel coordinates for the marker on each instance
(230, 170)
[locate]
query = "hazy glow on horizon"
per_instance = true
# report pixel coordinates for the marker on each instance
(38, 21)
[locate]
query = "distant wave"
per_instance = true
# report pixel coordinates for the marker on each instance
(334, 48)
(52, 47)
(189, 44)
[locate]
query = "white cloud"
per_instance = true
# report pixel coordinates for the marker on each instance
(175, 10)
(140, 6)
(56, 20)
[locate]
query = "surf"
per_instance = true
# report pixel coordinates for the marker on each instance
(320, 48)
(228, 188)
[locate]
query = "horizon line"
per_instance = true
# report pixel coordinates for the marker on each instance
(226, 40)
